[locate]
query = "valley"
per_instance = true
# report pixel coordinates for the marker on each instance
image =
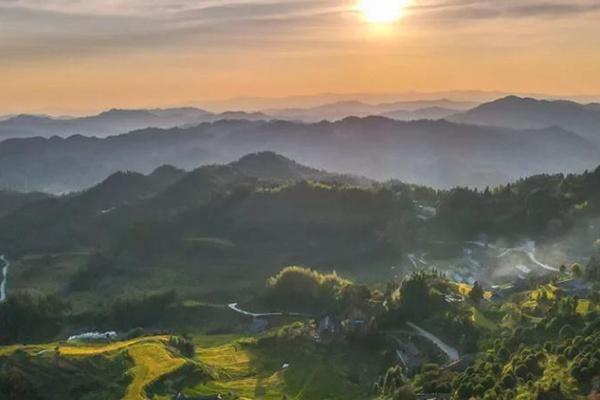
(185, 282)
(299, 200)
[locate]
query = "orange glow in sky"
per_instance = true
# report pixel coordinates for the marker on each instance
(65, 56)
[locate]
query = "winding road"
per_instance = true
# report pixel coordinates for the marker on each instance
(235, 307)
(451, 352)
(4, 278)
(539, 263)
(528, 249)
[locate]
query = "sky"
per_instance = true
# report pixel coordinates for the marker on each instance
(76, 56)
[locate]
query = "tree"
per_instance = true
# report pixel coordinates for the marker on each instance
(576, 270)
(509, 381)
(395, 386)
(592, 270)
(476, 293)
(27, 318)
(416, 300)
(597, 247)
(302, 288)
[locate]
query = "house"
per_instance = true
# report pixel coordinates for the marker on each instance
(575, 287)
(328, 329)
(358, 320)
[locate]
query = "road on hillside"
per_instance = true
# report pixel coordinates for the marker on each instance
(539, 263)
(235, 307)
(528, 249)
(451, 352)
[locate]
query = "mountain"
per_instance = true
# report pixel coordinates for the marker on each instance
(122, 188)
(437, 153)
(147, 270)
(306, 101)
(405, 110)
(11, 201)
(106, 123)
(123, 199)
(274, 167)
(421, 113)
(528, 113)
(113, 122)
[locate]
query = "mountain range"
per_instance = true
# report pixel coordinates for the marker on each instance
(127, 197)
(403, 110)
(115, 121)
(437, 153)
(490, 144)
(528, 113)
(112, 122)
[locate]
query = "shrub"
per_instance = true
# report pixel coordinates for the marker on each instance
(302, 287)
(184, 346)
(509, 381)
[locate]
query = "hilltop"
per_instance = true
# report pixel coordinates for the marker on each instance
(528, 113)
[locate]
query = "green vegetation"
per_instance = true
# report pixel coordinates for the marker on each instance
(539, 205)
(28, 318)
(287, 362)
(120, 370)
(47, 375)
(423, 298)
(304, 289)
(158, 258)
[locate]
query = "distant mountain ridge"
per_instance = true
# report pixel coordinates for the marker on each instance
(404, 110)
(437, 153)
(113, 122)
(528, 113)
(117, 121)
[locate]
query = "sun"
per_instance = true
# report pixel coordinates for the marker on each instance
(382, 11)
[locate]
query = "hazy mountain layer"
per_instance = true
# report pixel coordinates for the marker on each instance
(527, 113)
(403, 110)
(112, 122)
(436, 153)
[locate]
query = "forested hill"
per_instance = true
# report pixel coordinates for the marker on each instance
(234, 219)
(171, 249)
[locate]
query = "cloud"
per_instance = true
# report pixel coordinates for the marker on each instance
(31, 29)
(202, 9)
(508, 9)
(164, 8)
(76, 28)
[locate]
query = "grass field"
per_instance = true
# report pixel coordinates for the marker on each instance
(150, 356)
(236, 374)
(297, 368)
(152, 360)
(241, 365)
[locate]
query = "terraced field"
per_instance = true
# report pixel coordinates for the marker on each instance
(270, 366)
(286, 365)
(150, 357)
(152, 360)
(236, 374)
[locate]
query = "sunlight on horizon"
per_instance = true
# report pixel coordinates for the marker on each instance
(382, 11)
